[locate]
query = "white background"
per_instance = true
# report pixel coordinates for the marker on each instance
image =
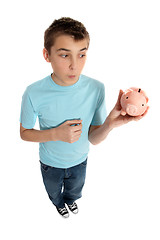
(122, 192)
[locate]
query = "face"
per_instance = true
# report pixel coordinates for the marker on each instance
(67, 59)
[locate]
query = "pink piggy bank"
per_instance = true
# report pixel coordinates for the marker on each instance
(133, 102)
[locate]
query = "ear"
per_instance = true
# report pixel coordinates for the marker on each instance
(143, 92)
(133, 89)
(128, 90)
(46, 54)
(147, 99)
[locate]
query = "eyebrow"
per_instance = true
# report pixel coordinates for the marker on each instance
(67, 50)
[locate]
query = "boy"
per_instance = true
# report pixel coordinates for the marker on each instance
(71, 111)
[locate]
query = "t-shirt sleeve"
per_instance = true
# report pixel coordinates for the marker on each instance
(28, 114)
(100, 113)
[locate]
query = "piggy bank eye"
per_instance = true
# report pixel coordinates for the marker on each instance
(126, 97)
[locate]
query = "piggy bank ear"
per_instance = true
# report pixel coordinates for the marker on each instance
(128, 90)
(134, 89)
(143, 92)
(147, 99)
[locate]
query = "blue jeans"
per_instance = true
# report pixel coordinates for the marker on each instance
(64, 185)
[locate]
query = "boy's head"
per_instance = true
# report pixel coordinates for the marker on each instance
(66, 43)
(64, 26)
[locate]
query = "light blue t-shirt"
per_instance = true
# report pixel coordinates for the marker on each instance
(53, 105)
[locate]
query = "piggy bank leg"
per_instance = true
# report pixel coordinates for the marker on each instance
(123, 113)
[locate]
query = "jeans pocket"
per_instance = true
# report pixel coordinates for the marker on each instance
(84, 163)
(45, 167)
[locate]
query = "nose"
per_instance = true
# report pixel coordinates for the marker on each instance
(131, 110)
(73, 64)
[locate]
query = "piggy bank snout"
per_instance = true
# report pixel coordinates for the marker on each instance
(131, 110)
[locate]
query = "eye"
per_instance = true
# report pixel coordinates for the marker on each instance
(142, 105)
(82, 55)
(126, 97)
(64, 55)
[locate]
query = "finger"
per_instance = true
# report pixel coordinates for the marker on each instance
(72, 122)
(77, 134)
(137, 118)
(118, 103)
(77, 128)
(76, 138)
(143, 115)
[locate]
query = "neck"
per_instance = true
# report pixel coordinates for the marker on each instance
(61, 82)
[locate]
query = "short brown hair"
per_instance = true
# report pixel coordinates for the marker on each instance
(64, 26)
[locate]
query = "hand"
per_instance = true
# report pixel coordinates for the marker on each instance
(115, 119)
(68, 133)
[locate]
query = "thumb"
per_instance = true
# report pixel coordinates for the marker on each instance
(118, 103)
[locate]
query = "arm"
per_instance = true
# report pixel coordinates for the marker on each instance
(98, 133)
(65, 132)
(34, 135)
(115, 119)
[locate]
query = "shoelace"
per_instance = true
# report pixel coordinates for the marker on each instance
(72, 206)
(63, 210)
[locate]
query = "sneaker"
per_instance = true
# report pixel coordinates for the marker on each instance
(63, 212)
(73, 208)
